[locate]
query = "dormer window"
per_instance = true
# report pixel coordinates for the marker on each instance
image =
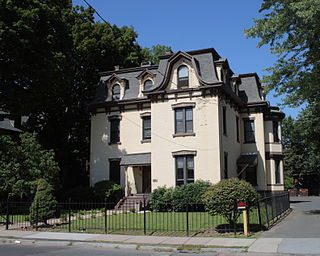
(116, 92)
(183, 77)
(147, 84)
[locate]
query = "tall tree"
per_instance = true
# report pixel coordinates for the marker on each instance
(50, 56)
(152, 54)
(291, 28)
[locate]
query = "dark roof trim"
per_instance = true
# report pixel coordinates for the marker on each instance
(146, 71)
(274, 155)
(119, 103)
(195, 52)
(126, 70)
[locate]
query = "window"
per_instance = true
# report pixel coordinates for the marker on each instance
(183, 120)
(183, 77)
(146, 123)
(116, 92)
(114, 131)
(147, 84)
(237, 129)
(275, 131)
(249, 131)
(277, 171)
(224, 120)
(184, 170)
(251, 176)
(225, 165)
(114, 170)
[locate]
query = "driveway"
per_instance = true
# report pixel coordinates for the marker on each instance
(302, 222)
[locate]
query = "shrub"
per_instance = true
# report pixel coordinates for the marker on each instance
(79, 193)
(221, 197)
(161, 199)
(44, 205)
(191, 194)
(109, 190)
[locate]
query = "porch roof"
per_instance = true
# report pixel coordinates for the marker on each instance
(250, 159)
(136, 159)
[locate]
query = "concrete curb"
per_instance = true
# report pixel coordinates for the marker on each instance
(131, 246)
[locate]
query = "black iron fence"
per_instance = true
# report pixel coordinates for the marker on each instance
(101, 217)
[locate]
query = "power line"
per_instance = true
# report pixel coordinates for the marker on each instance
(97, 12)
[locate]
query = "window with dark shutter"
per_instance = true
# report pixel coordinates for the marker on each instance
(184, 170)
(183, 120)
(114, 131)
(249, 136)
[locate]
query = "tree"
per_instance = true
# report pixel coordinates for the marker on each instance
(44, 205)
(152, 54)
(50, 57)
(220, 198)
(291, 28)
(22, 163)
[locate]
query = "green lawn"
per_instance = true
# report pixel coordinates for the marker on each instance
(155, 222)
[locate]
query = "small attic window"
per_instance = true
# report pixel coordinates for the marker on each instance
(183, 77)
(116, 92)
(147, 84)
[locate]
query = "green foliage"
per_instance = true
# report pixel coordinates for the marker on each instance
(22, 163)
(51, 54)
(44, 205)
(109, 190)
(220, 198)
(176, 199)
(152, 54)
(191, 193)
(291, 28)
(161, 199)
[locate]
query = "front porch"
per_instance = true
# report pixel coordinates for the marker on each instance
(137, 173)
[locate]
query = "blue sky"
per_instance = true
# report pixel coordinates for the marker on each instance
(191, 25)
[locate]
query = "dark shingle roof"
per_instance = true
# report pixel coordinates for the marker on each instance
(136, 159)
(204, 62)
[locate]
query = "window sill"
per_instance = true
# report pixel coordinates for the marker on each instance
(114, 143)
(183, 134)
(145, 141)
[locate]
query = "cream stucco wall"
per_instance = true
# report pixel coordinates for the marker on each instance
(130, 142)
(258, 146)
(229, 143)
(205, 141)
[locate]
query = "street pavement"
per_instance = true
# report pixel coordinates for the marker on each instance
(297, 234)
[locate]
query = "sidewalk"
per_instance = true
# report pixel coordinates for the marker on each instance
(295, 246)
(126, 241)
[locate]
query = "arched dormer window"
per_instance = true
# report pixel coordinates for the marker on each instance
(147, 84)
(116, 92)
(183, 77)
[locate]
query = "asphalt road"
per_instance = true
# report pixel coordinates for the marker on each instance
(303, 221)
(57, 250)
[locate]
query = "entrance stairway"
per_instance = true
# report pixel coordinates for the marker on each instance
(136, 202)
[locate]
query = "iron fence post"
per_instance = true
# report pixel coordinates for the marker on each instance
(235, 221)
(187, 220)
(259, 214)
(105, 216)
(7, 214)
(37, 214)
(266, 209)
(69, 214)
(144, 217)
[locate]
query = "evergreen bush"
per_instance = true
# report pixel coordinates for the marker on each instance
(161, 199)
(44, 205)
(109, 190)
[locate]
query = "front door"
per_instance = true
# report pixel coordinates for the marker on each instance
(146, 179)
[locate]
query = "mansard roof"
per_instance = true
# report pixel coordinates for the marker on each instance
(203, 61)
